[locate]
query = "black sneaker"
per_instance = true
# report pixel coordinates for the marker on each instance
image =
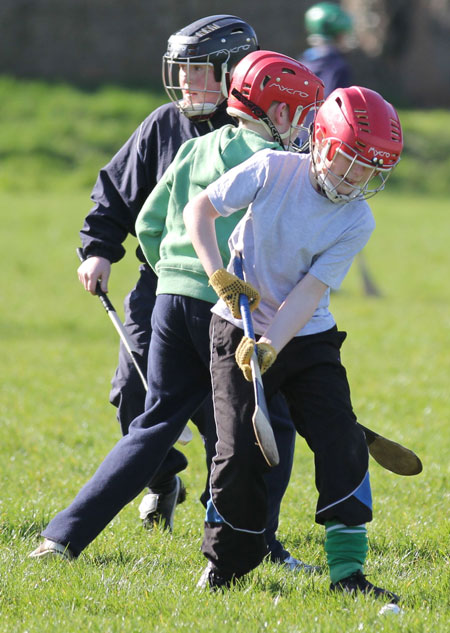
(357, 582)
(157, 508)
(211, 579)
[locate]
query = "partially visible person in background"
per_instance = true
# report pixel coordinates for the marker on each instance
(329, 30)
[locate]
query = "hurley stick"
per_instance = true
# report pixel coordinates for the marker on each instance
(124, 336)
(261, 420)
(186, 434)
(392, 456)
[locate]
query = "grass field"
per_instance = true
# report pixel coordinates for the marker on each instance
(59, 352)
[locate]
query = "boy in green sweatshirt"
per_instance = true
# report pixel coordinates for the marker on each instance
(180, 340)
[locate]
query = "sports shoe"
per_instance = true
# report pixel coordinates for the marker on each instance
(294, 564)
(51, 549)
(186, 436)
(357, 582)
(210, 579)
(159, 509)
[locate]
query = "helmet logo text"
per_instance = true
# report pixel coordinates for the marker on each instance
(290, 91)
(235, 49)
(378, 152)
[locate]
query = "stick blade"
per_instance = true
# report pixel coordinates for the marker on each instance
(395, 457)
(263, 428)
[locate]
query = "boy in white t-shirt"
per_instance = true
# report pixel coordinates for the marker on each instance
(306, 220)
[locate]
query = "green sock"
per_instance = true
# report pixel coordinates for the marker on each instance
(346, 548)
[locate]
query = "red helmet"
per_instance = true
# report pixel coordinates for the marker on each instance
(263, 77)
(359, 124)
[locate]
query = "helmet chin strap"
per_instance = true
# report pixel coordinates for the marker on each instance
(259, 114)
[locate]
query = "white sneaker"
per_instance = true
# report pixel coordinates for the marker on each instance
(50, 549)
(293, 564)
(203, 581)
(157, 508)
(210, 579)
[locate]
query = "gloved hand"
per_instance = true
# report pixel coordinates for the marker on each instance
(229, 287)
(265, 352)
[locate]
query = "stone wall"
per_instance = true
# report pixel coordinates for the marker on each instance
(92, 41)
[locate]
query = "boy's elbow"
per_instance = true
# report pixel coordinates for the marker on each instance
(198, 211)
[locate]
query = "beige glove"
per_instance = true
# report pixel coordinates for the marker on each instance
(265, 352)
(229, 287)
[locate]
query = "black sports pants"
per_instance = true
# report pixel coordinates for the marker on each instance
(309, 373)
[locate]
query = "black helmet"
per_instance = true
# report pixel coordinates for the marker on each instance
(218, 40)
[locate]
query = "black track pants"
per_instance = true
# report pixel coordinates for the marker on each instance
(309, 373)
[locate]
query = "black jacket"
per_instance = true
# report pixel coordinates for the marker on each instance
(125, 182)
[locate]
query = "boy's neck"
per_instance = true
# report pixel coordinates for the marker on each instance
(256, 126)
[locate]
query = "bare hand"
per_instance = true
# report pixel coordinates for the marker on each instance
(94, 269)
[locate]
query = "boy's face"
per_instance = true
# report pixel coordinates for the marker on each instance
(341, 178)
(347, 176)
(198, 84)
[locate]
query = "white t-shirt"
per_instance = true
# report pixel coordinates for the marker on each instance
(289, 229)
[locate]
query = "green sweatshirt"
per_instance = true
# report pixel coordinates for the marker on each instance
(160, 227)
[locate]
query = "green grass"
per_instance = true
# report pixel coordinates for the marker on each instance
(56, 136)
(425, 163)
(59, 351)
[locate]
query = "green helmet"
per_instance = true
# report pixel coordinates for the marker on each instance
(327, 20)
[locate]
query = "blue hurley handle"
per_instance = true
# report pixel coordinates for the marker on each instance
(243, 299)
(261, 419)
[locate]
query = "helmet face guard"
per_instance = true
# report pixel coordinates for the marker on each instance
(216, 43)
(297, 137)
(331, 179)
(354, 128)
(207, 99)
